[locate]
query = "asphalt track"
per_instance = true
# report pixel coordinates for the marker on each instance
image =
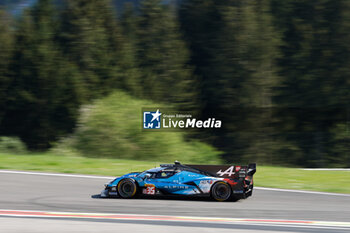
(71, 194)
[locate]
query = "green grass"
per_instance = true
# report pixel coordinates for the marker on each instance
(275, 177)
(72, 164)
(295, 178)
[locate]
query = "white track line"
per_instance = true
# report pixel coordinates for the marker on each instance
(325, 169)
(56, 174)
(302, 191)
(260, 222)
(111, 177)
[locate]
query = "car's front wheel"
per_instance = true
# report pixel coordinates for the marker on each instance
(221, 191)
(127, 188)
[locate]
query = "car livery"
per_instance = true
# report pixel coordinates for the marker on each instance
(221, 182)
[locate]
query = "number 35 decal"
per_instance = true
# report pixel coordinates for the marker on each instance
(149, 191)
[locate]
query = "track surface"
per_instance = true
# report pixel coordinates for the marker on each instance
(79, 194)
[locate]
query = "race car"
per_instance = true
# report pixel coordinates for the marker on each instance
(220, 182)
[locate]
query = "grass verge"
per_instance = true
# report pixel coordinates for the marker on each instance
(266, 176)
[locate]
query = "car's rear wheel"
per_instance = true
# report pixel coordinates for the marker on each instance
(221, 191)
(127, 188)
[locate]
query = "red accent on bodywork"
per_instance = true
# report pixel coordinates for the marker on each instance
(230, 181)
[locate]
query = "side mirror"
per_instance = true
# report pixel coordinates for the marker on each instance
(147, 176)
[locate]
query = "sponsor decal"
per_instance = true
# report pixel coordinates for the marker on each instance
(205, 185)
(149, 190)
(228, 172)
(237, 191)
(175, 187)
(193, 175)
(242, 173)
(206, 182)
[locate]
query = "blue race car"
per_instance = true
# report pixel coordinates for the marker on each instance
(221, 182)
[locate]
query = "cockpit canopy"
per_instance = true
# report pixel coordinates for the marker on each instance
(162, 172)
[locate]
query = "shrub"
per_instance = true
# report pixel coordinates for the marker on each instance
(112, 128)
(12, 145)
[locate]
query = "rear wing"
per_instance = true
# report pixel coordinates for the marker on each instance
(226, 171)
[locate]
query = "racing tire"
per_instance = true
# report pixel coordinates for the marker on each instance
(127, 188)
(221, 191)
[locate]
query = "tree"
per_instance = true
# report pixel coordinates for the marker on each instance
(163, 56)
(314, 69)
(234, 46)
(90, 37)
(131, 75)
(6, 47)
(44, 87)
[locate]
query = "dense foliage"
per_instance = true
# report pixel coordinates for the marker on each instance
(277, 73)
(111, 128)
